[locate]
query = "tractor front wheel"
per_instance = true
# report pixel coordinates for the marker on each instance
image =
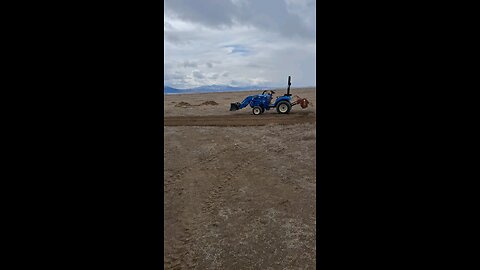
(256, 110)
(284, 107)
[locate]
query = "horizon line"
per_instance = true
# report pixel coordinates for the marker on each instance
(260, 86)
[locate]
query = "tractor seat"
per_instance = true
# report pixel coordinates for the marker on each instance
(272, 101)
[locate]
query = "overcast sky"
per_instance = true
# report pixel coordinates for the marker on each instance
(239, 42)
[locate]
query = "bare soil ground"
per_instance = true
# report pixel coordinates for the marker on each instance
(238, 197)
(240, 119)
(219, 103)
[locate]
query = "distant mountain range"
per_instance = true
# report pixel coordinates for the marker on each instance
(212, 88)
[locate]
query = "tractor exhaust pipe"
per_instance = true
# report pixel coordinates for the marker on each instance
(288, 89)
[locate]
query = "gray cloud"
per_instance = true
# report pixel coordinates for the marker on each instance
(235, 82)
(167, 26)
(271, 15)
(197, 74)
(239, 42)
(212, 13)
(175, 38)
(189, 64)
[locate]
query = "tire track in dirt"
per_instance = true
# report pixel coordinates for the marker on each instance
(176, 175)
(241, 119)
(181, 256)
(217, 197)
(177, 255)
(206, 210)
(212, 203)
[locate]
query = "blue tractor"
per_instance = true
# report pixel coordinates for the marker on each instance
(262, 102)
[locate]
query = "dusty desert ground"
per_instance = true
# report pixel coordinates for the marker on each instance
(239, 189)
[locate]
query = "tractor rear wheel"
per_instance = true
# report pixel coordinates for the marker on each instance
(263, 110)
(284, 107)
(257, 110)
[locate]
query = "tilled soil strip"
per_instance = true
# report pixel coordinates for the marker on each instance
(239, 120)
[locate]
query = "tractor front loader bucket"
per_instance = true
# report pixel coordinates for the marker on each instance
(234, 106)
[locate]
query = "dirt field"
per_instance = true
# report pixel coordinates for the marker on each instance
(238, 195)
(187, 105)
(240, 119)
